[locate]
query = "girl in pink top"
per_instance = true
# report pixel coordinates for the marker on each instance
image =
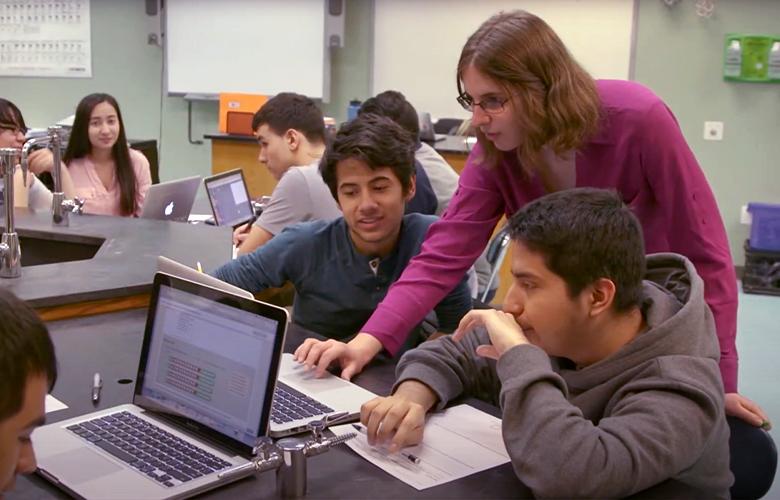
(112, 178)
(543, 125)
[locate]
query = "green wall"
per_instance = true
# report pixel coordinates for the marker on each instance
(678, 55)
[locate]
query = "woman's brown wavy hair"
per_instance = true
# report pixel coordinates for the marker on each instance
(556, 99)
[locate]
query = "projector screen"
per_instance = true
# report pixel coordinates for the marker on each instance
(247, 46)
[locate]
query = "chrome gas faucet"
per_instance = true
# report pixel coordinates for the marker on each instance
(60, 206)
(288, 456)
(10, 251)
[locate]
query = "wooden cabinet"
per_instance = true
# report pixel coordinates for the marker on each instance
(229, 152)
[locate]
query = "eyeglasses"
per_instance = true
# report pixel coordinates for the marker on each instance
(13, 128)
(491, 105)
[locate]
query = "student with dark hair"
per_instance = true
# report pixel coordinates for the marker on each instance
(111, 177)
(342, 268)
(393, 104)
(291, 133)
(545, 125)
(443, 178)
(436, 180)
(12, 135)
(28, 370)
(608, 384)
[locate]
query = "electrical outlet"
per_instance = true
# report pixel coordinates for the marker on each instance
(713, 131)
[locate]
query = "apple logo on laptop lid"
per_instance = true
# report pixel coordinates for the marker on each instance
(168, 209)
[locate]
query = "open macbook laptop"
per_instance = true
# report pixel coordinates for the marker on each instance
(427, 133)
(229, 198)
(203, 396)
(171, 200)
(300, 398)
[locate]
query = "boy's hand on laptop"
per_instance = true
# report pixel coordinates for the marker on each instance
(352, 356)
(502, 328)
(398, 420)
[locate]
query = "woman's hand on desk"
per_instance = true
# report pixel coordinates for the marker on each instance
(398, 420)
(352, 356)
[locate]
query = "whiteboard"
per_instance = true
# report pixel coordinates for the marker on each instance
(247, 46)
(417, 43)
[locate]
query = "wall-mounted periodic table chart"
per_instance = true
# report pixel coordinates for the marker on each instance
(45, 38)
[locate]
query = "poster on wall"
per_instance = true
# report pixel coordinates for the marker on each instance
(45, 38)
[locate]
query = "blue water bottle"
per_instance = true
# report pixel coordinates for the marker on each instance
(352, 109)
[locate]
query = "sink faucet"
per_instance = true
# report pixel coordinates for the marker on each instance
(10, 252)
(60, 206)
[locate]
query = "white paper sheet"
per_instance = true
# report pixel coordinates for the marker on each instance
(196, 218)
(458, 442)
(54, 404)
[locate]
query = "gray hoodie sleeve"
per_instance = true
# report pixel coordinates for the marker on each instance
(653, 428)
(451, 368)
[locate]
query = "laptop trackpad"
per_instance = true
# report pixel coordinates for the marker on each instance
(77, 466)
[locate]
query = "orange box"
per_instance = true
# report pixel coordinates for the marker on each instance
(238, 103)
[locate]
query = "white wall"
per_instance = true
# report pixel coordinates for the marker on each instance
(417, 43)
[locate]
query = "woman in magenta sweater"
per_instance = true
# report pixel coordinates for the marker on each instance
(543, 124)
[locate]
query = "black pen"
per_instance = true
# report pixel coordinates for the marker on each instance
(249, 224)
(412, 458)
(97, 384)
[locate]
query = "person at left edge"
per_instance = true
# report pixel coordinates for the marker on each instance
(12, 135)
(28, 370)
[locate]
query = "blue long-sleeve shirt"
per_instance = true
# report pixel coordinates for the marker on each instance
(337, 288)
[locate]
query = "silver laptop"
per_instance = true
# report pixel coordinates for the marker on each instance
(229, 198)
(427, 133)
(307, 398)
(174, 268)
(171, 200)
(203, 396)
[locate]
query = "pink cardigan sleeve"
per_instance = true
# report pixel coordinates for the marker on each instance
(694, 225)
(143, 179)
(451, 246)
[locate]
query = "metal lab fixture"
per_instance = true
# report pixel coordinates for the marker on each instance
(60, 206)
(10, 252)
(288, 456)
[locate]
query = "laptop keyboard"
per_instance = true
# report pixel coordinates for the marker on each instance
(167, 459)
(290, 405)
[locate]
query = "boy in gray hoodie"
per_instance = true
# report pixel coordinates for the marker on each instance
(607, 384)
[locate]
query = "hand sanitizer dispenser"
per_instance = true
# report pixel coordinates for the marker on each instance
(733, 63)
(774, 62)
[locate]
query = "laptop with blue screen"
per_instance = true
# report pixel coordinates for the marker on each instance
(299, 396)
(229, 198)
